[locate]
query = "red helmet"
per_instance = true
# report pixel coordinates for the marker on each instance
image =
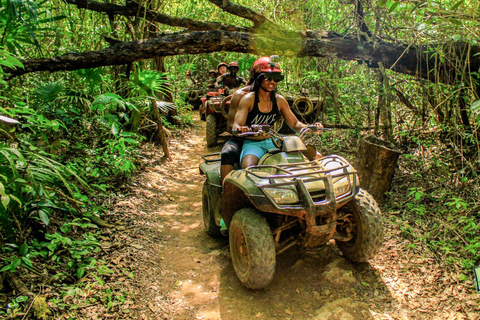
(233, 64)
(221, 64)
(265, 65)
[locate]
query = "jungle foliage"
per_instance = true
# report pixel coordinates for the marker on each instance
(69, 139)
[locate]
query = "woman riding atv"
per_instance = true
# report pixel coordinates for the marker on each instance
(263, 106)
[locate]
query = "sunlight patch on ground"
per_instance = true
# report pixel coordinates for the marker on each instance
(164, 213)
(198, 296)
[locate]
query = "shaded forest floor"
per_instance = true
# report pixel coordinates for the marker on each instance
(161, 264)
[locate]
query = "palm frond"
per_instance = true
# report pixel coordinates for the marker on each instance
(49, 92)
(165, 106)
(110, 101)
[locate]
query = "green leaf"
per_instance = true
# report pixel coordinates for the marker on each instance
(458, 4)
(55, 125)
(115, 128)
(24, 249)
(80, 272)
(15, 263)
(27, 261)
(7, 64)
(5, 268)
(16, 199)
(43, 216)
(21, 298)
(456, 37)
(393, 7)
(475, 107)
(455, 21)
(5, 201)
(100, 281)
(381, 3)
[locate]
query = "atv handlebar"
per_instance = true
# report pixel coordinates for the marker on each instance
(255, 130)
(259, 130)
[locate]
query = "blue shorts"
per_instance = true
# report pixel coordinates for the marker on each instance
(256, 148)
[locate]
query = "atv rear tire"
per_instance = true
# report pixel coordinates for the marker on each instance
(211, 132)
(208, 215)
(367, 228)
(202, 115)
(252, 248)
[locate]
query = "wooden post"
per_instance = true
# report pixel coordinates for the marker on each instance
(376, 163)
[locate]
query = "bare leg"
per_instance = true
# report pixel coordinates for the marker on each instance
(249, 160)
(224, 170)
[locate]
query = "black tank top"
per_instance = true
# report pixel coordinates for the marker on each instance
(255, 116)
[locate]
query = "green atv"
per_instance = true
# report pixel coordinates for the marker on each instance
(288, 200)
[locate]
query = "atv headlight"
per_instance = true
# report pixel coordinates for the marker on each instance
(341, 186)
(282, 196)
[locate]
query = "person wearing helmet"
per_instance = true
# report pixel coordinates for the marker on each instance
(263, 106)
(212, 78)
(189, 79)
(230, 79)
(232, 149)
(221, 68)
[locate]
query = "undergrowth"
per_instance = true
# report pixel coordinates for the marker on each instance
(63, 152)
(433, 196)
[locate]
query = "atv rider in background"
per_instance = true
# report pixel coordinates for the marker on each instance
(189, 79)
(221, 68)
(263, 107)
(212, 78)
(230, 80)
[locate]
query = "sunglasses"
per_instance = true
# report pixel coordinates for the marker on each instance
(274, 77)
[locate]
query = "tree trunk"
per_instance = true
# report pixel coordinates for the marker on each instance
(384, 108)
(160, 135)
(376, 163)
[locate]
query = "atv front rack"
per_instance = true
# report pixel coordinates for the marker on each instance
(300, 173)
(317, 207)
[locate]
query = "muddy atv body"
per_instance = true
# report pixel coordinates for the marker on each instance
(214, 111)
(288, 200)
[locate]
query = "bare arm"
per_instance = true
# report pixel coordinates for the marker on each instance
(219, 82)
(236, 97)
(242, 112)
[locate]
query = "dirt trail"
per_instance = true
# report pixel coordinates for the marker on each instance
(179, 272)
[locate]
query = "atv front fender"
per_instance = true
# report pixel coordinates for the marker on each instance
(238, 189)
(211, 169)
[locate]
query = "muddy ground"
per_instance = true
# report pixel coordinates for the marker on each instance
(165, 266)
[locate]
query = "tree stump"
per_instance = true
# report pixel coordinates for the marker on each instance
(376, 163)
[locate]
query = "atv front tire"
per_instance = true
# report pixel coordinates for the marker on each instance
(208, 215)
(366, 220)
(211, 132)
(252, 248)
